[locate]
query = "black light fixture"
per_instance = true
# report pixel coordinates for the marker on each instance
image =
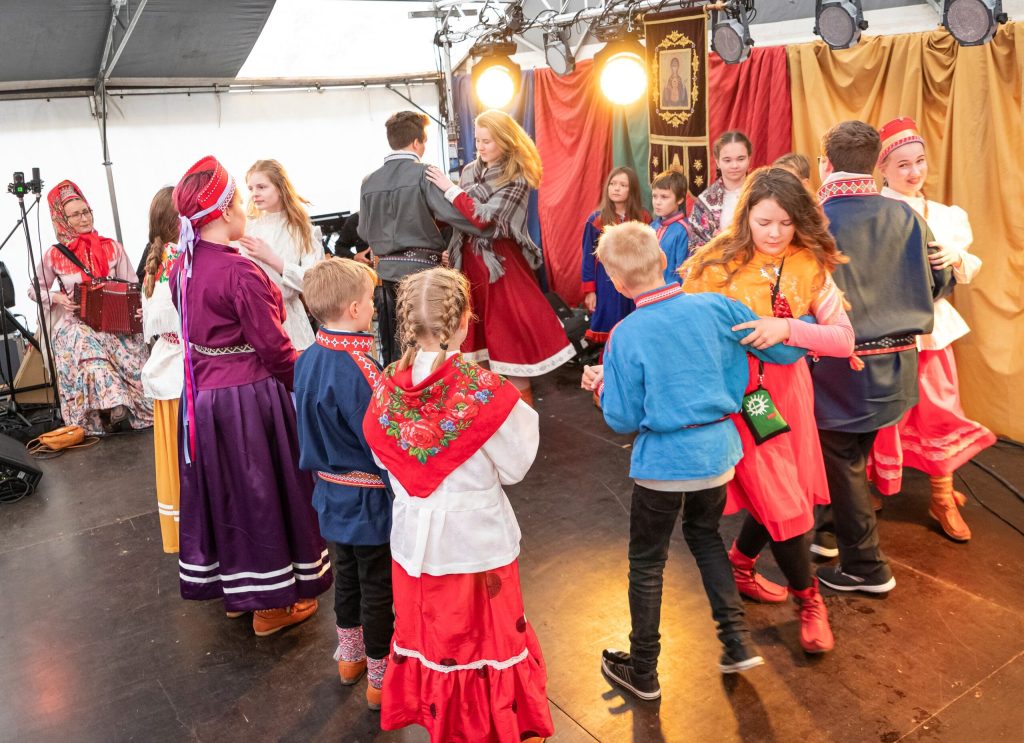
(973, 22)
(558, 53)
(730, 38)
(839, 23)
(495, 77)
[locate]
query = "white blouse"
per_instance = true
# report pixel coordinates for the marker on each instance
(273, 228)
(467, 525)
(164, 372)
(952, 229)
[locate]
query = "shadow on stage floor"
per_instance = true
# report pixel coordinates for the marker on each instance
(96, 645)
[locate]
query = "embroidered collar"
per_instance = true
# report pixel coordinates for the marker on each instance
(339, 340)
(671, 219)
(423, 432)
(854, 185)
(659, 295)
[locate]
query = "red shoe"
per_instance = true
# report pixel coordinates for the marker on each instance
(815, 632)
(268, 621)
(750, 583)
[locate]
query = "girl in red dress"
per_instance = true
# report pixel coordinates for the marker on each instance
(517, 332)
(465, 662)
(776, 258)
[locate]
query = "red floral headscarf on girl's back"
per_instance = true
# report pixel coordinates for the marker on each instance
(91, 249)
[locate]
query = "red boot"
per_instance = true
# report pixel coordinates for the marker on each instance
(815, 633)
(750, 583)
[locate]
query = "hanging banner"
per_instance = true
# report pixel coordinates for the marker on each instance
(677, 67)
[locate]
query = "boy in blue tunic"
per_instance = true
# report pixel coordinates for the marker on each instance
(675, 371)
(334, 381)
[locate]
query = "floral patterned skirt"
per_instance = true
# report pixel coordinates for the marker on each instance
(99, 371)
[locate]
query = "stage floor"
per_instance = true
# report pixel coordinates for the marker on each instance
(96, 645)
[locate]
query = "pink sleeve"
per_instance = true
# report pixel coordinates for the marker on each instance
(823, 340)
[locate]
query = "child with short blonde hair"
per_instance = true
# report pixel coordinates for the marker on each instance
(465, 662)
(674, 370)
(334, 381)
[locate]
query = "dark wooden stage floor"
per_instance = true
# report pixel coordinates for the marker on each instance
(96, 645)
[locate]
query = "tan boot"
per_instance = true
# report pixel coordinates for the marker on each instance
(350, 671)
(943, 508)
(268, 621)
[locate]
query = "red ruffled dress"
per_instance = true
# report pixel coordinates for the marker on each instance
(515, 329)
(465, 662)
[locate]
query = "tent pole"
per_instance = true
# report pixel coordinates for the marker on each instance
(451, 120)
(101, 110)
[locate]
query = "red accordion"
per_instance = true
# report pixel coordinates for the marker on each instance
(110, 306)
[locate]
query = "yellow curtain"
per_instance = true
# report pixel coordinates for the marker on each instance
(969, 105)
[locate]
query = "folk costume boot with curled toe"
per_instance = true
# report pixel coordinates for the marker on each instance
(752, 584)
(815, 632)
(351, 655)
(943, 508)
(268, 621)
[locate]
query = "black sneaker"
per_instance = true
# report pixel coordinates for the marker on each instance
(737, 657)
(618, 667)
(824, 544)
(833, 576)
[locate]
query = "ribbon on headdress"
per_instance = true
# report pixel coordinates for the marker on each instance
(213, 200)
(92, 249)
(897, 133)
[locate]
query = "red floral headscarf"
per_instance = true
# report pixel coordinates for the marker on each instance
(91, 249)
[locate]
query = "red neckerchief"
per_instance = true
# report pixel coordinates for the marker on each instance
(663, 227)
(658, 295)
(357, 345)
(864, 186)
(422, 433)
(95, 253)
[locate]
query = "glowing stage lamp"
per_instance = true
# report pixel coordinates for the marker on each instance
(621, 71)
(495, 78)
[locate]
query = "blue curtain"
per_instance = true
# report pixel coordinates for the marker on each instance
(521, 109)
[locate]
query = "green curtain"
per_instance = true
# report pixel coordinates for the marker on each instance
(631, 145)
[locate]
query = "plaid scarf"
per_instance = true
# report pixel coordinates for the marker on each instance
(504, 206)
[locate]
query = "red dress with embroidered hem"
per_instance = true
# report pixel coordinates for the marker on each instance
(465, 663)
(515, 328)
(935, 436)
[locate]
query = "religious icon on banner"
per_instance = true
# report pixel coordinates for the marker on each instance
(676, 67)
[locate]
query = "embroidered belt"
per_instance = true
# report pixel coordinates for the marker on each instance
(171, 338)
(415, 255)
(223, 350)
(709, 423)
(888, 344)
(354, 479)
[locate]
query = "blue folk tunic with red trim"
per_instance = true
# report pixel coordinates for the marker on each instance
(333, 385)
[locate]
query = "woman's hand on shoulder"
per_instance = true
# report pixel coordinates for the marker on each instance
(765, 332)
(439, 179)
(259, 249)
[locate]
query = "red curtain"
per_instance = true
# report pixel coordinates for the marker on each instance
(574, 125)
(753, 97)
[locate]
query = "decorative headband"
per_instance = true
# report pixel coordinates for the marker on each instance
(895, 134)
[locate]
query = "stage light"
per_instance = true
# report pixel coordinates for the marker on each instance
(558, 53)
(973, 22)
(495, 78)
(622, 71)
(839, 22)
(731, 38)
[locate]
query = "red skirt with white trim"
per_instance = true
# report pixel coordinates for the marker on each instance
(934, 436)
(465, 664)
(516, 330)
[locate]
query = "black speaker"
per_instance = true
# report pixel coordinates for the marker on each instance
(574, 322)
(19, 474)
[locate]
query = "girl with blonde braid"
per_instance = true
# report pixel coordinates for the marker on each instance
(465, 662)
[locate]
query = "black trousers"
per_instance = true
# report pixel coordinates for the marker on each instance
(652, 519)
(792, 555)
(851, 515)
(387, 322)
(362, 594)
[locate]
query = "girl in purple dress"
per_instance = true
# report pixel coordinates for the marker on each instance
(249, 533)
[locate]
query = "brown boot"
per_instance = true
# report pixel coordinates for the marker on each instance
(943, 508)
(527, 394)
(815, 632)
(268, 621)
(350, 671)
(752, 584)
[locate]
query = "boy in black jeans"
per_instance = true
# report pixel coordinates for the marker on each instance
(674, 370)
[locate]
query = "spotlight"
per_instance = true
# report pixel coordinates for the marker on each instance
(731, 38)
(973, 22)
(621, 70)
(839, 22)
(495, 78)
(557, 52)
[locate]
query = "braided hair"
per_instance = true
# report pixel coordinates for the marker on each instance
(163, 229)
(430, 304)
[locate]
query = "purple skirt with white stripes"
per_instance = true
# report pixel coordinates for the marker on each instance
(249, 533)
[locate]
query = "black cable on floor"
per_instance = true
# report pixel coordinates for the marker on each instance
(989, 508)
(1006, 483)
